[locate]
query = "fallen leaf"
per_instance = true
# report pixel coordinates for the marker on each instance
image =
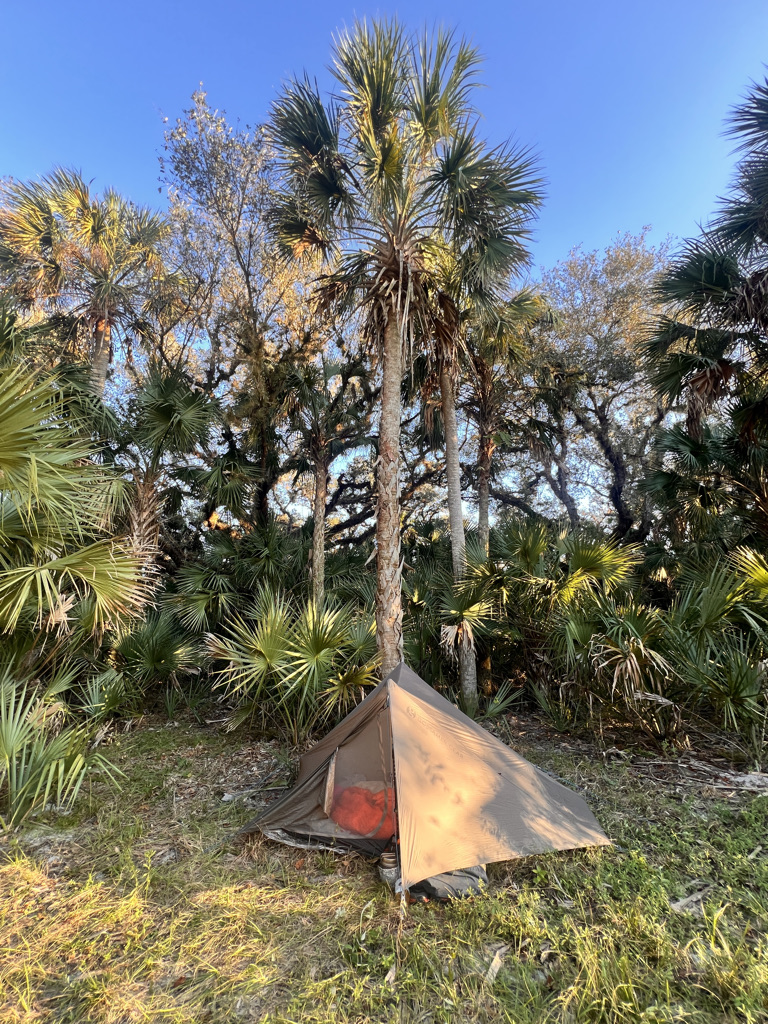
(495, 965)
(690, 903)
(390, 976)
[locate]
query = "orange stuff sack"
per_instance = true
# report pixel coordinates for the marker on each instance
(360, 811)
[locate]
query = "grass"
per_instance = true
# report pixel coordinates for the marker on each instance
(118, 914)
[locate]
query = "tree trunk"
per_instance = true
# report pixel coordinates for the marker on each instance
(467, 666)
(145, 518)
(453, 474)
(318, 536)
(483, 501)
(484, 456)
(389, 607)
(100, 363)
(625, 517)
(558, 484)
(265, 480)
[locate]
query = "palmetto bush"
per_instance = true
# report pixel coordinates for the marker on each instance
(536, 573)
(65, 581)
(294, 665)
(703, 656)
(208, 592)
(56, 507)
(105, 695)
(441, 614)
(41, 760)
(567, 616)
(156, 650)
(617, 653)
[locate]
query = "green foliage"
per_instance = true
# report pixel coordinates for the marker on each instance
(236, 449)
(55, 512)
(155, 650)
(295, 665)
(171, 416)
(212, 589)
(40, 761)
(105, 694)
(712, 352)
(703, 654)
(92, 263)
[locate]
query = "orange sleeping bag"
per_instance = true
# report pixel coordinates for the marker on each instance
(358, 810)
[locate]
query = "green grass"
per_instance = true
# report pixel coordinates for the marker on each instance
(98, 923)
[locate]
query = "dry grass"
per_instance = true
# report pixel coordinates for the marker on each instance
(118, 913)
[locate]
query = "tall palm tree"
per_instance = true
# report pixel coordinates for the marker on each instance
(712, 351)
(716, 342)
(90, 261)
(384, 182)
(327, 416)
(493, 347)
(462, 304)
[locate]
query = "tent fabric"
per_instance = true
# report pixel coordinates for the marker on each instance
(462, 796)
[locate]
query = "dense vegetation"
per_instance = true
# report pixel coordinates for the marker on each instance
(314, 418)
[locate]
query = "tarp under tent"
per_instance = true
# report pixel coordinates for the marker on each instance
(405, 761)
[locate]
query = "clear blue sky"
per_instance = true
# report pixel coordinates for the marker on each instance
(624, 100)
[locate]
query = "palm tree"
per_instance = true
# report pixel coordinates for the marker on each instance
(89, 261)
(492, 348)
(170, 422)
(328, 419)
(384, 182)
(712, 352)
(475, 310)
(715, 344)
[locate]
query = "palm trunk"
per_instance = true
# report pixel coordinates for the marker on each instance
(318, 536)
(389, 608)
(483, 492)
(483, 528)
(145, 516)
(100, 363)
(467, 666)
(485, 455)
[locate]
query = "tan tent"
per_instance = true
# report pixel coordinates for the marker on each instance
(461, 797)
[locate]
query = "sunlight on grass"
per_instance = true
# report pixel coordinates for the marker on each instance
(279, 935)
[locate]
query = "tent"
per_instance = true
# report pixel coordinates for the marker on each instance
(405, 758)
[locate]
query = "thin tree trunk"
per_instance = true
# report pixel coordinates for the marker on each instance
(483, 502)
(453, 474)
(389, 607)
(467, 665)
(265, 480)
(558, 484)
(486, 418)
(484, 532)
(601, 432)
(318, 536)
(484, 456)
(100, 362)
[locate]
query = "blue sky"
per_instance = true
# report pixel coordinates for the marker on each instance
(623, 101)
